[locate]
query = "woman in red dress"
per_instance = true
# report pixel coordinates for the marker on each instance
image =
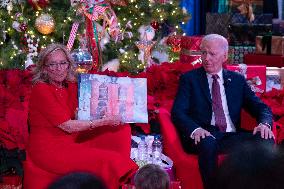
(58, 143)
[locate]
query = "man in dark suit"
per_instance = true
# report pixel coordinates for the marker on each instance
(208, 105)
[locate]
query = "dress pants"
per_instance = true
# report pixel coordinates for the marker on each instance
(210, 147)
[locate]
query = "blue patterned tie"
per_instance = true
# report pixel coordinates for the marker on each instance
(220, 120)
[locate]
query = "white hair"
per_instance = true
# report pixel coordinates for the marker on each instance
(216, 37)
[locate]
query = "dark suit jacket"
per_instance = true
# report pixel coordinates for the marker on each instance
(193, 105)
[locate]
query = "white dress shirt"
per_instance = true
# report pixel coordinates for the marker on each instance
(230, 125)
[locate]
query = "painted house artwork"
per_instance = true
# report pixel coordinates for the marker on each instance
(103, 96)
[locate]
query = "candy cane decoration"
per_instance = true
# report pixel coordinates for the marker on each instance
(72, 35)
(97, 12)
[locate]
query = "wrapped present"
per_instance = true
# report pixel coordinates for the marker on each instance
(191, 42)
(274, 78)
(246, 6)
(263, 19)
(244, 34)
(190, 49)
(262, 59)
(217, 23)
(269, 45)
(255, 75)
(190, 56)
(273, 82)
(258, 19)
(277, 27)
(102, 96)
(236, 53)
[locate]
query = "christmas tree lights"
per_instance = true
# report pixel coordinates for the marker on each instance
(21, 20)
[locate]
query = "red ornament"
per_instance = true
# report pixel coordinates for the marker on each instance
(38, 4)
(23, 27)
(155, 25)
(24, 41)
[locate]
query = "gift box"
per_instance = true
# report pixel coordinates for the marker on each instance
(242, 31)
(258, 19)
(269, 45)
(191, 42)
(102, 96)
(236, 5)
(190, 56)
(274, 78)
(190, 49)
(217, 23)
(236, 53)
(277, 27)
(245, 34)
(262, 59)
(255, 75)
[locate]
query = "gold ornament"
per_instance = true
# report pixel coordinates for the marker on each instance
(45, 24)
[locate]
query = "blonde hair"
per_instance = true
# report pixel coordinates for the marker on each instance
(41, 76)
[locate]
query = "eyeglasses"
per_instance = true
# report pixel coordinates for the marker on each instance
(61, 65)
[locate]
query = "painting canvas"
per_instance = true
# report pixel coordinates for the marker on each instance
(103, 96)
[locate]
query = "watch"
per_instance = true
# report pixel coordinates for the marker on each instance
(266, 124)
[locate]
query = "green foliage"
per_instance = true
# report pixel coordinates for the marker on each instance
(139, 12)
(13, 58)
(144, 13)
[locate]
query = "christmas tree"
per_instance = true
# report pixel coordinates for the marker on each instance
(134, 33)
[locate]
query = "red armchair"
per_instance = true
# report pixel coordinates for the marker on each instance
(186, 165)
(35, 177)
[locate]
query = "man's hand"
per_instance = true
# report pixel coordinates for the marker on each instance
(200, 133)
(264, 130)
